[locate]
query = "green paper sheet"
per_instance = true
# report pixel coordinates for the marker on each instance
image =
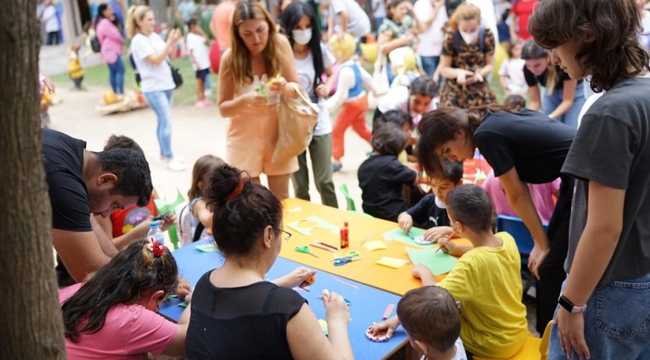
(438, 262)
(399, 235)
(320, 223)
(183, 304)
(207, 248)
(165, 207)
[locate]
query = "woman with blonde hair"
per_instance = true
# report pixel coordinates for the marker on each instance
(254, 73)
(466, 60)
(150, 54)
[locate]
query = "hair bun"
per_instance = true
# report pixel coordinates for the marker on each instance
(225, 183)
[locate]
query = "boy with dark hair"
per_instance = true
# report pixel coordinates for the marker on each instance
(431, 212)
(485, 280)
(431, 319)
(381, 176)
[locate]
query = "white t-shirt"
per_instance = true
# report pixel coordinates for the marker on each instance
(154, 77)
(380, 8)
(358, 20)
(431, 39)
(460, 351)
(397, 98)
(306, 74)
(645, 23)
(51, 21)
(488, 17)
(513, 70)
(200, 51)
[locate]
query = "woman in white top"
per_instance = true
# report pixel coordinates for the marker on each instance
(312, 59)
(259, 57)
(150, 53)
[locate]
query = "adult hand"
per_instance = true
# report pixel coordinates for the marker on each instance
(174, 36)
(478, 77)
(278, 85)
(253, 100)
(167, 221)
(437, 3)
(387, 326)
(536, 258)
(298, 276)
(183, 288)
(335, 308)
(572, 333)
(322, 90)
(409, 8)
(462, 76)
(405, 221)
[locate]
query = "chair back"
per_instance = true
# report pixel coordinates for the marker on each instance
(350, 202)
(515, 227)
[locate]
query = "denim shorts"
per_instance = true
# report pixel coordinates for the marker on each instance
(617, 322)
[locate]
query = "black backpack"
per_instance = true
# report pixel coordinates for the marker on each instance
(94, 44)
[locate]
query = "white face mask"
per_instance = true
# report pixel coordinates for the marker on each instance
(301, 37)
(469, 37)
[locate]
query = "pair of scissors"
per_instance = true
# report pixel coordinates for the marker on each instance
(305, 250)
(341, 261)
(353, 254)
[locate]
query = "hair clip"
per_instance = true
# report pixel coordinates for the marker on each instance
(157, 248)
(236, 191)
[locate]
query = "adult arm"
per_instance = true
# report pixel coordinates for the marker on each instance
(449, 72)
(303, 329)
(177, 347)
(344, 21)
(157, 58)
(387, 43)
(230, 106)
(521, 201)
(534, 98)
(513, 26)
(80, 252)
(569, 91)
(104, 240)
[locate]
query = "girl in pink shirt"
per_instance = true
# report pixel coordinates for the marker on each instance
(113, 315)
(111, 41)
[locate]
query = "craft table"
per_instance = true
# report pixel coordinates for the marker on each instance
(367, 305)
(365, 271)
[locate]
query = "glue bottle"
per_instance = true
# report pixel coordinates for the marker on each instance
(155, 234)
(345, 240)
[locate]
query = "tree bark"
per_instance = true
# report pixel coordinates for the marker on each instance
(30, 317)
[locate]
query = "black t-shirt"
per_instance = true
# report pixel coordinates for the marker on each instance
(381, 178)
(426, 214)
(528, 141)
(248, 322)
(64, 158)
(612, 148)
(560, 78)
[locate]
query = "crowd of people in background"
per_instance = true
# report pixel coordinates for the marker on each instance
(569, 164)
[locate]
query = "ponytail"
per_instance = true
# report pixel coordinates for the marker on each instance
(136, 13)
(551, 78)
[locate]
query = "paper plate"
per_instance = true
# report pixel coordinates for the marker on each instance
(420, 240)
(378, 337)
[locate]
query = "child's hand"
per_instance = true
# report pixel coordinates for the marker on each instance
(167, 221)
(449, 247)
(335, 308)
(405, 221)
(420, 271)
(435, 233)
(387, 326)
(462, 76)
(183, 288)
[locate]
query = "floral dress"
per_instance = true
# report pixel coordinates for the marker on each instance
(471, 58)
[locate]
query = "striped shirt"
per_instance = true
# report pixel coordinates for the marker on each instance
(154, 77)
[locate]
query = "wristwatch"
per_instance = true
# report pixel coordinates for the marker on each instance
(568, 305)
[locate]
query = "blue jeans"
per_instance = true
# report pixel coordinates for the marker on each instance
(161, 103)
(116, 76)
(378, 22)
(551, 102)
(617, 322)
(429, 64)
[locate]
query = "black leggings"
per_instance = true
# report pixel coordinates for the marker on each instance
(551, 272)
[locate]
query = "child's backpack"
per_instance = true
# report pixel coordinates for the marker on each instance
(95, 46)
(184, 228)
(481, 40)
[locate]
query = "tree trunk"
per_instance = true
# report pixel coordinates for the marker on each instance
(30, 317)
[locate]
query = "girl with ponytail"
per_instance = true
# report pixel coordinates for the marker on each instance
(236, 313)
(523, 147)
(113, 315)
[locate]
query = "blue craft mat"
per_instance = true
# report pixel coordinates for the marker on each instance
(367, 303)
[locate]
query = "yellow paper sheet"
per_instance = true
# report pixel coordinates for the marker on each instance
(392, 262)
(375, 245)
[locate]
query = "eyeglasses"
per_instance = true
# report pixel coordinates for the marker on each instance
(287, 235)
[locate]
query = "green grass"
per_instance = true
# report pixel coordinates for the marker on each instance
(97, 76)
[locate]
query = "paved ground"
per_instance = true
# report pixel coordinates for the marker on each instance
(53, 60)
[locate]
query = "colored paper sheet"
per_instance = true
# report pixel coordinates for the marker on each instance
(207, 248)
(183, 304)
(399, 235)
(391, 262)
(375, 245)
(438, 262)
(319, 223)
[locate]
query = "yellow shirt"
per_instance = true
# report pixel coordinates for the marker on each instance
(74, 68)
(487, 282)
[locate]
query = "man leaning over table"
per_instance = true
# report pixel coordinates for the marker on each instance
(81, 184)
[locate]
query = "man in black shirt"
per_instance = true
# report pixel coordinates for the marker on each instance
(83, 183)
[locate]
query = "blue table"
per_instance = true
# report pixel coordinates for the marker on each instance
(367, 304)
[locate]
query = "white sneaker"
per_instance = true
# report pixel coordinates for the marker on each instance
(175, 165)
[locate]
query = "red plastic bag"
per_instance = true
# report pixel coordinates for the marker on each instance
(215, 57)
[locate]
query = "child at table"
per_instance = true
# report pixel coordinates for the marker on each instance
(381, 176)
(485, 280)
(431, 320)
(195, 218)
(113, 315)
(431, 212)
